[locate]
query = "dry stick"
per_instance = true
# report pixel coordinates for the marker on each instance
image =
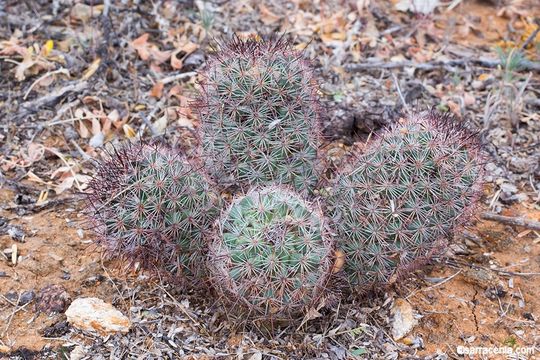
(530, 38)
(396, 82)
(516, 221)
(490, 63)
(44, 100)
(176, 77)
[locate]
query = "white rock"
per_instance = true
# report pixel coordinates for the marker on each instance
(77, 353)
(403, 320)
(94, 314)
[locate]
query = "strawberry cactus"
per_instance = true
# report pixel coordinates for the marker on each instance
(149, 205)
(404, 196)
(259, 115)
(271, 254)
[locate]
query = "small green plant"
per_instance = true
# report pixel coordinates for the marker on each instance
(271, 254)
(149, 205)
(258, 110)
(404, 196)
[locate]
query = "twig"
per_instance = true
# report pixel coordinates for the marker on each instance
(59, 71)
(485, 62)
(176, 77)
(435, 285)
(47, 99)
(530, 38)
(399, 92)
(516, 221)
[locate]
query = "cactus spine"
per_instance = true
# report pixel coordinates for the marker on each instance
(404, 197)
(258, 110)
(271, 254)
(149, 205)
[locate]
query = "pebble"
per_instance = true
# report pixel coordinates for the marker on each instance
(403, 320)
(77, 353)
(16, 233)
(12, 296)
(27, 297)
(92, 314)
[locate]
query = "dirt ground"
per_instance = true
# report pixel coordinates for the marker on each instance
(77, 74)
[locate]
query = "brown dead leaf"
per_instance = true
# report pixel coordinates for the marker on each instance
(340, 261)
(149, 51)
(34, 153)
(157, 90)
(12, 46)
(184, 50)
(32, 64)
(468, 99)
(128, 131)
(140, 44)
(454, 107)
(91, 69)
(267, 16)
(79, 179)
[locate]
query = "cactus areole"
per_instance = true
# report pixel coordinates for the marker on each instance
(271, 254)
(259, 115)
(404, 196)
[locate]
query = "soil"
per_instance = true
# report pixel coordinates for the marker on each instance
(490, 299)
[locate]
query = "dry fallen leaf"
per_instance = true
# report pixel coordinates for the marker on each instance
(340, 261)
(91, 69)
(149, 51)
(267, 16)
(35, 153)
(157, 90)
(128, 131)
(67, 183)
(186, 49)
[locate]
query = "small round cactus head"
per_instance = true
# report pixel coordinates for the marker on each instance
(149, 205)
(259, 115)
(271, 257)
(399, 203)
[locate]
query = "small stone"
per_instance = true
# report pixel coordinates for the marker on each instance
(97, 140)
(12, 296)
(27, 297)
(3, 274)
(478, 85)
(16, 233)
(56, 330)
(56, 257)
(403, 320)
(92, 314)
(77, 353)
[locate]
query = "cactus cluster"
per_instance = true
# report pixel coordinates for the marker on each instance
(149, 205)
(271, 253)
(404, 196)
(258, 111)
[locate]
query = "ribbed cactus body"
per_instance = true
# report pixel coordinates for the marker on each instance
(404, 196)
(271, 254)
(258, 110)
(149, 205)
